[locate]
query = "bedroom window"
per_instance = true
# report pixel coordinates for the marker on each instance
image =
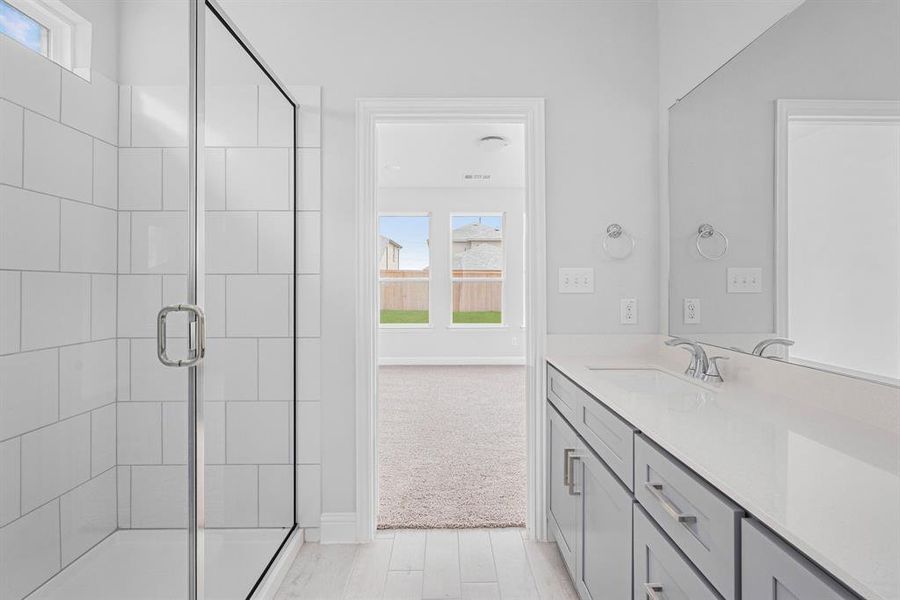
(477, 269)
(404, 269)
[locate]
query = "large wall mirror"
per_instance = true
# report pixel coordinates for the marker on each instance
(784, 186)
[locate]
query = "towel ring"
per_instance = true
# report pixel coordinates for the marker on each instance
(615, 231)
(707, 231)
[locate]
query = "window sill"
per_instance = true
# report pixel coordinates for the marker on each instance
(478, 326)
(405, 326)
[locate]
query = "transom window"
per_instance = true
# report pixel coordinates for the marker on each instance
(52, 29)
(29, 32)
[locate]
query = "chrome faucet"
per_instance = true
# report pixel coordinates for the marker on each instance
(761, 347)
(699, 361)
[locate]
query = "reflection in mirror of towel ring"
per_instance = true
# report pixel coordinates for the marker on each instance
(707, 231)
(614, 232)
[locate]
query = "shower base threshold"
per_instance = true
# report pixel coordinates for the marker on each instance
(151, 564)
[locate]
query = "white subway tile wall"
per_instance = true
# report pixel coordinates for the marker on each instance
(140, 179)
(58, 160)
(29, 230)
(87, 515)
(31, 550)
(55, 459)
(309, 207)
(106, 175)
(159, 116)
(91, 106)
(58, 305)
(11, 119)
(29, 80)
(93, 240)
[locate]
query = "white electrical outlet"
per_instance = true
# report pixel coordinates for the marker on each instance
(744, 280)
(691, 311)
(576, 280)
(628, 311)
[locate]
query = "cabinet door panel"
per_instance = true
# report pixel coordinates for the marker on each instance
(562, 510)
(772, 570)
(604, 548)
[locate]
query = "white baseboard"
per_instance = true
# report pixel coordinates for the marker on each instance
(451, 360)
(311, 534)
(338, 528)
(279, 569)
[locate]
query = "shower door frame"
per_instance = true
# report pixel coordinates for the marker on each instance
(197, 286)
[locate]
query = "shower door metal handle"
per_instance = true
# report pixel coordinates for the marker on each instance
(197, 336)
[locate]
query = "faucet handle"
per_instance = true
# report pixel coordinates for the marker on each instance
(712, 372)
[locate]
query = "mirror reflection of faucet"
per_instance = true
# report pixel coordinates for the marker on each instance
(760, 348)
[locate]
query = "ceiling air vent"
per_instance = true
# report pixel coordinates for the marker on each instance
(476, 177)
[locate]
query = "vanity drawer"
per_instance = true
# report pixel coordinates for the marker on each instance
(660, 570)
(562, 393)
(702, 522)
(773, 570)
(609, 436)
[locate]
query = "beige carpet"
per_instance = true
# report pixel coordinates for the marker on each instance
(451, 447)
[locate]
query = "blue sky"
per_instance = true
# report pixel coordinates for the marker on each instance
(411, 232)
(20, 27)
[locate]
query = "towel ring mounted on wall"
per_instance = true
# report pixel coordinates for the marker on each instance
(614, 232)
(707, 231)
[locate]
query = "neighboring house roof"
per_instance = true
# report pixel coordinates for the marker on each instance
(476, 231)
(384, 241)
(484, 257)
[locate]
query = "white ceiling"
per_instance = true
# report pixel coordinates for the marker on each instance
(413, 155)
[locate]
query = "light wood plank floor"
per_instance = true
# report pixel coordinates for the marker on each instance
(434, 563)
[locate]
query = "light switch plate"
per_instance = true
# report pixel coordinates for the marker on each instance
(628, 311)
(578, 280)
(744, 280)
(691, 311)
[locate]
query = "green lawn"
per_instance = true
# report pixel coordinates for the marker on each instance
(477, 317)
(404, 316)
(421, 316)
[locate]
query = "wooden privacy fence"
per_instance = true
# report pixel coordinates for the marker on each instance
(405, 290)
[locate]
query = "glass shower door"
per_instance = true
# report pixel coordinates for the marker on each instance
(247, 392)
(129, 467)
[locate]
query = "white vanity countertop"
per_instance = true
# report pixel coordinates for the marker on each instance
(828, 485)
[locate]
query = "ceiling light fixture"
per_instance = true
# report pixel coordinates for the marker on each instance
(493, 143)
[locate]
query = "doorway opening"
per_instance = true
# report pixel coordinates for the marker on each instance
(451, 375)
(449, 230)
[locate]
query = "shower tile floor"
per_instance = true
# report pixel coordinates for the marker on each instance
(150, 564)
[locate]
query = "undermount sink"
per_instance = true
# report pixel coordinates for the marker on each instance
(648, 381)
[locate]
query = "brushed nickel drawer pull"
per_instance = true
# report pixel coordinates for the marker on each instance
(655, 490)
(567, 465)
(572, 458)
(652, 589)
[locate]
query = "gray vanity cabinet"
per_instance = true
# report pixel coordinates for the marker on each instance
(702, 522)
(632, 521)
(604, 541)
(563, 394)
(771, 570)
(563, 504)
